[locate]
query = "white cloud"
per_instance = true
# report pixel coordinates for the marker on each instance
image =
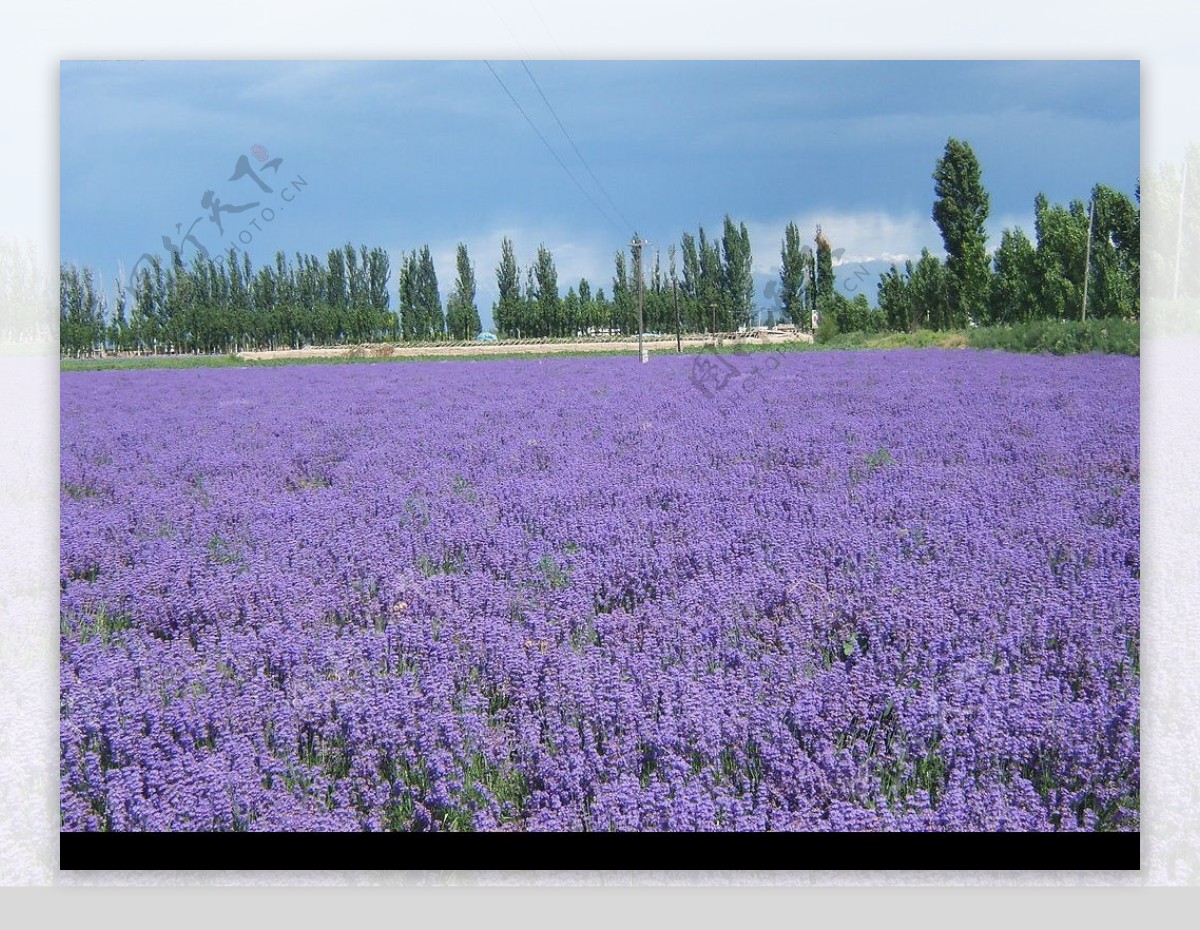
(574, 258)
(866, 236)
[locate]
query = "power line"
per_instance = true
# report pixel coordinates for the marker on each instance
(574, 147)
(516, 41)
(547, 28)
(550, 148)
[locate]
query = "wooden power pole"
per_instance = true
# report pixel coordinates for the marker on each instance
(1087, 257)
(675, 298)
(1179, 226)
(636, 245)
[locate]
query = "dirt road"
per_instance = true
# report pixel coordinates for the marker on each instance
(387, 350)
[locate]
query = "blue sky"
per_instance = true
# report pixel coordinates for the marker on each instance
(399, 154)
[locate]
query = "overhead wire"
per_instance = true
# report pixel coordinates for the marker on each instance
(592, 200)
(575, 148)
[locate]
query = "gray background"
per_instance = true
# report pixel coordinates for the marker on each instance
(37, 37)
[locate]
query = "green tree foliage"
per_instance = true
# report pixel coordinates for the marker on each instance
(823, 278)
(660, 313)
(794, 275)
(1173, 230)
(120, 334)
(675, 319)
(1061, 248)
(1013, 297)
(893, 298)
(336, 291)
(827, 329)
(546, 304)
(593, 313)
(462, 316)
(224, 304)
(960, 211)
(603, 310)
(857, 315)
(716, 288)
(1032, 281)
(824, 296)
(146, 302)
(409, 316)
(507, 310)
(691, 310)
(711, 302)
(624, 300)
(917, 298)
(929, 302)
(572, 313)
(379, 272)
(81, 311)
(1113, 288)
(431, 321)
(737, 278)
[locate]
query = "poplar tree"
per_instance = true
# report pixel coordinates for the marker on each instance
(960, 212)
(462, 316)
(711, 296)
(1013, 297)
(737, 275)
(793, 275)
(822, 279)
(623, 309)
(429, 301)
(545, 298)
(506, 311)
(410, 321)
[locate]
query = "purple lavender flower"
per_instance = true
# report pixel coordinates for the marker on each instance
(896, 591)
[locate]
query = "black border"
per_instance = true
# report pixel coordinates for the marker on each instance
(817, 851)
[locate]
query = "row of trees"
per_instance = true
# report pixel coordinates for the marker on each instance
(225, 305)
(539, 309)
(715, 291)
(1085, 261)
(1172, 238)
(1022, 280)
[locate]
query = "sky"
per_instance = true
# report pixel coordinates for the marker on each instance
(400, 154)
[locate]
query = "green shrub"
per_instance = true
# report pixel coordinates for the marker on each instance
(1073, 337)
(827, 331)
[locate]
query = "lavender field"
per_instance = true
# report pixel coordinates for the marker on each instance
(888, 590)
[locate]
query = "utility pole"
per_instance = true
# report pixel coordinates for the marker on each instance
(675, 298)
(1087, 255)
(636, 245)
(1179, 227)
